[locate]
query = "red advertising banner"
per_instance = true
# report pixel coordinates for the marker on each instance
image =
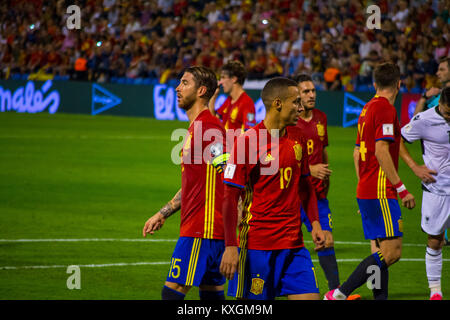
(409, 102)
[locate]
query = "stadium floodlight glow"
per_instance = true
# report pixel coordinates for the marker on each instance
(265, 21)
(99, 43)
(32, 26)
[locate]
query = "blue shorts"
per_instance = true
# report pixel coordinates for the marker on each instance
(381, 218)
(324, 216)
(266, 274)
(196, 261)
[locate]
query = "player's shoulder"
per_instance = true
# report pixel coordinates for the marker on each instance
(430, 114)
(210, 121)
(379, 106)
(380, 102)
(319, 114)
(295, 133)
(246, 100)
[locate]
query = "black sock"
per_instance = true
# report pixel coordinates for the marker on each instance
(211, 295)
(327, 260)
(362, 273)
(170, 294)
(382, 292)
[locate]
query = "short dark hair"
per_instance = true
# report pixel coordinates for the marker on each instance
(445, 96)
(236, 69)
(445, 59)
(204, 77)
(302, 78)
(276, 88)
(386, 75)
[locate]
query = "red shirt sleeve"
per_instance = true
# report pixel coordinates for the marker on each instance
(238, 167)
(248, 113)
(325, 140)
(384, 119)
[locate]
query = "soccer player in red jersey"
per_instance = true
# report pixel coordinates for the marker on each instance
(270, 163)
(196, 258)
(376, 161)
(238, 110)
(313, 125)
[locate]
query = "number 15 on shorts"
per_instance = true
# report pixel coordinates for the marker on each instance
(174, 268)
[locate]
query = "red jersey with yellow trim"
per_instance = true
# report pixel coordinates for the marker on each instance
(238, 115)
(201, 184)
(270, 170)
(316, 136)
(378, 121)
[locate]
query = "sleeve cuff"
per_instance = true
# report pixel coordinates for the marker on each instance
(233, 184)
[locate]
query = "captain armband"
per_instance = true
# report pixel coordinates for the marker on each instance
(220, 161)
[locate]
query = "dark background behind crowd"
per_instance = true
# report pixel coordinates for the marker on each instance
(145, 42)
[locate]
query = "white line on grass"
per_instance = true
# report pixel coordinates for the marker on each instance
(84, 137)
(358, 243)
(88, 240)
(125, 264)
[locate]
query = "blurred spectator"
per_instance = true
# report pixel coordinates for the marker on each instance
(156, 39)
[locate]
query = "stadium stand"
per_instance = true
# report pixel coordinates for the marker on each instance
(145, 42)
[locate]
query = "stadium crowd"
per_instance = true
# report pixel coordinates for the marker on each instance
(149, 41)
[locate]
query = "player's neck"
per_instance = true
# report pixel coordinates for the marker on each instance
(307, 114)
(236, 93)
(195, 110)
(274, 126)
(388, 94)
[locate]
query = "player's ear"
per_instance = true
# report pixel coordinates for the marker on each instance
(201, 91)
(276, 103)
(375, 86)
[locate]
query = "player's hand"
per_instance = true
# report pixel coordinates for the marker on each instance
(425, 174)
(153, 224)
(229, 263)
(320, 171)
(216, 93)
(318, 236)
(432, 92)
(408, 201)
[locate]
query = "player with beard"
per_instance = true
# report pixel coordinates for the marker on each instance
(430, 98)
(196, 258)
(313, 125)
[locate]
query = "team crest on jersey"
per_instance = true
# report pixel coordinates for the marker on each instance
(320, 131)
(233, 114)
(298, 151)
(257, 286)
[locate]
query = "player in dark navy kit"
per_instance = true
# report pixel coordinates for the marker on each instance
(272, 260)
(196, 258)
(376, 161)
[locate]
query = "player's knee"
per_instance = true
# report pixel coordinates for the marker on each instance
(177, 287)
(435, 243)
(392, 256)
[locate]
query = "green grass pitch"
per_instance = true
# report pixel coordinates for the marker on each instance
(95, 178)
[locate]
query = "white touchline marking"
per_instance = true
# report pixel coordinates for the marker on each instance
(367, 243)
(120, 264)
(85, 137)
(88, 240)
(126, 264)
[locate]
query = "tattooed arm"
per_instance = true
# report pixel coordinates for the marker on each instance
(157, 220)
